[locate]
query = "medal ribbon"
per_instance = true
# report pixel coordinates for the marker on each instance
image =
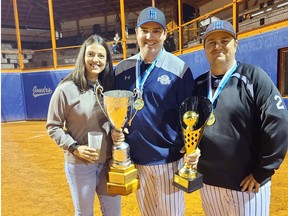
(221, 84)
(140, 82)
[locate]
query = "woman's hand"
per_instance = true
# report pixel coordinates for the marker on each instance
(87, 153)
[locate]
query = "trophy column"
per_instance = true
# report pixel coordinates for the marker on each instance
(194, 113)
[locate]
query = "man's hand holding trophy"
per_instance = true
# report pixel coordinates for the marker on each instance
(122, 177)
(193, 113)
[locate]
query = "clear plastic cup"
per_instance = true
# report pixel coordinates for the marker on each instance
(95, 140)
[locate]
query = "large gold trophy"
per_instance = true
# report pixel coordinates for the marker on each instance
(122, 177)
(194, 113)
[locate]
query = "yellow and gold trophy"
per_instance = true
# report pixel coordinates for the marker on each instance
(122, 176)
(194, 113)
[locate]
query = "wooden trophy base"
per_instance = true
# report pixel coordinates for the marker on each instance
(188, 185)
(122, 181)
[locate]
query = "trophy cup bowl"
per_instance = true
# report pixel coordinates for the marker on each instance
(193, 113)
(117, 105)
(122, 177)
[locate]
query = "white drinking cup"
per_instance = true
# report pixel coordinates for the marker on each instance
(95, 140)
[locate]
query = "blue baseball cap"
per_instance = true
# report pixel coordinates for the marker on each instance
(151, 14)
(220, 25)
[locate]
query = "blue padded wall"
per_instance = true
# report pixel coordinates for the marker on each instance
(197, 62)
(38, 88)
(13, 105)
(262, 50)
(26, 96)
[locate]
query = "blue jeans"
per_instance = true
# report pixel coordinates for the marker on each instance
(86, 179)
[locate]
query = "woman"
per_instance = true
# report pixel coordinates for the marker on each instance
(73, 112)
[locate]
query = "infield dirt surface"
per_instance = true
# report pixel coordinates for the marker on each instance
(33, 180)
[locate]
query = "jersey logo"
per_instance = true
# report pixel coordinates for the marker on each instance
(164, 80)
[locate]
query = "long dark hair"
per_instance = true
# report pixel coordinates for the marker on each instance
(78, 75)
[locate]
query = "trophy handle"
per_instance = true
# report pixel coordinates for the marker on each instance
(100, 89)
(136, 91)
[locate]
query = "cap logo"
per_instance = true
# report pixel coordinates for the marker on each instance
(152, 14)
(218, 25)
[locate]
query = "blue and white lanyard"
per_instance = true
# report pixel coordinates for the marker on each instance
(140, 82)
(221, 84)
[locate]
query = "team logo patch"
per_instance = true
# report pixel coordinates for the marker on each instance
(152, 14)
(218, 25)
(164, 80)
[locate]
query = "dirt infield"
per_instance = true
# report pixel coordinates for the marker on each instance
(33, 180)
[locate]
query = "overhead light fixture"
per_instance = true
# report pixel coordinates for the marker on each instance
(258, 13)
(36, 29)
(283, 4)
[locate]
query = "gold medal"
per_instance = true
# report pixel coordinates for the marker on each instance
(138, 104)
(211, 119)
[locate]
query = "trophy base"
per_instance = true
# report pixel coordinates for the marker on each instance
(122, 176)
(122, 181)
(188, 185)
(124, 190)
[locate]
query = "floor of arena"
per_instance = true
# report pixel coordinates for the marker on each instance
(34, 183)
